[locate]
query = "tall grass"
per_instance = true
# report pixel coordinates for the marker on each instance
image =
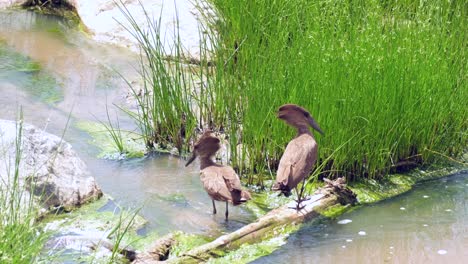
(164, 106)
(393, 70)
(390, 75)
(21, 240)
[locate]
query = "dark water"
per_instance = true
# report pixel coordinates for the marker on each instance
(426, 225)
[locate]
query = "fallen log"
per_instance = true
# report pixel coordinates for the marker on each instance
(334, 193)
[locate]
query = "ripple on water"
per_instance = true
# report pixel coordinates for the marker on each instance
(402, 208)
(345, 221)
(425, 196)
(362, 233)
(349, 240)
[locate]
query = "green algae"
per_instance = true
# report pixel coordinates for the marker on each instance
(101, 138)
(14, 61)
(45, 88)
(185, 242)
(174, 198)
(92, 215)
(371, 191)
(335, 211)
(102, 219)
(28, 75)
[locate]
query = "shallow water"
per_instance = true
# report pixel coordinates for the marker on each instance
(427, 225)
(171, 195)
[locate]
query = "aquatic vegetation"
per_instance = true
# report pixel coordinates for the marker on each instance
(371, 191)
(28, 75)
(393, 71)
(128, 144)
(164, 114)
(250, 252)
(97, 231)
(390, 75)
(186, 242)
(12, 61)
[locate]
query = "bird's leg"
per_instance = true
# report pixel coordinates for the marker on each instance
(214, 207)
(300, 199)
(227, 212)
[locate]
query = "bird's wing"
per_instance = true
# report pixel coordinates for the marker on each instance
(297, 160)
(231, 179)
(209, 181)
(215, 185)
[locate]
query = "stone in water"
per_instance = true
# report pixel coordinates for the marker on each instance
(362, 233)
(402, 208)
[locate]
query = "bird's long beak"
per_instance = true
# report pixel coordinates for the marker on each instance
(314, 125)
(191, 159)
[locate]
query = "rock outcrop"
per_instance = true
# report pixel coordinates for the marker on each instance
(48, 168)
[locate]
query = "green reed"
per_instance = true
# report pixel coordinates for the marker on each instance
(21, 239)
(164, 112)
(394, 71)
(389, 75)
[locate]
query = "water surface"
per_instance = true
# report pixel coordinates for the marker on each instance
(426, 225)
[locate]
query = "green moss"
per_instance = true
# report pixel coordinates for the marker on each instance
(92, 215)
(370, 191)
(102, 139)
(185, 242)
(28, 74)
(265, 200)
(335, 210)
(250, 252)
(44, 87)
(14, 61)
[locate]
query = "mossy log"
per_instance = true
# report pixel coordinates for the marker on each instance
(335, 192)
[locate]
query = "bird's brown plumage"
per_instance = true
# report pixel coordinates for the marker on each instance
(220, 182)
(301, 152)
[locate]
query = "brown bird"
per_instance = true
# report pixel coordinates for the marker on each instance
(301, 152)
(220, 182)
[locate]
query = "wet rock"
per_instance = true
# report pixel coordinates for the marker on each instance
(48, 168)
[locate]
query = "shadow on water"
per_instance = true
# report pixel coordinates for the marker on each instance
(427, 225)
(171, 195)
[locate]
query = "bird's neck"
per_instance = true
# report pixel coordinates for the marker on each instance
(303, 130)
(206, 161)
